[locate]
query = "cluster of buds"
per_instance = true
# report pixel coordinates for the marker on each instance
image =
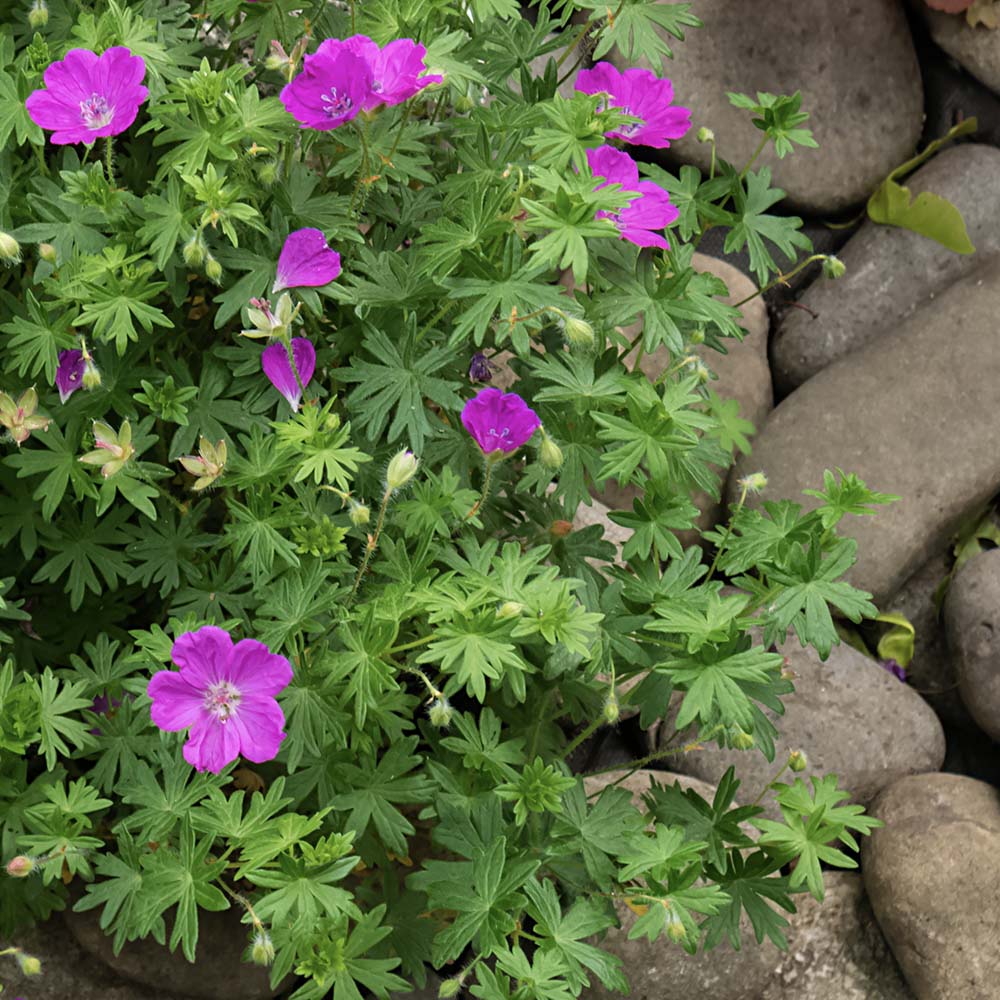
(271, 324)
(19, 417)
(207, 465)
(117, 445)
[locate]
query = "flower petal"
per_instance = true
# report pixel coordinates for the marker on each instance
(176, 703)
(69, 374)
(203, 655)
(306, 261)
(260, 724)
(278, 368)
(255, 670)
(211, 745)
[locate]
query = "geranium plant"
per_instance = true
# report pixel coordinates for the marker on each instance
(294, 618)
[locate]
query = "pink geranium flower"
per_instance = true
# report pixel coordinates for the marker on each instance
(642, 94)
(69, 373)
(499, 421)
(395, 69)
(278, 368)
(641, 219)
(89, 96)
(306, 261)
(225, 695)
(331, 89)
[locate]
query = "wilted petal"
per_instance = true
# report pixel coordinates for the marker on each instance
(306, 261)
(69, 374)
(278, 368)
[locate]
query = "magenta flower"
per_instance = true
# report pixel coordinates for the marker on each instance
(642, 94)
(395, 69)
(639, 221)
(224, 694)
(69, 374)
(499, 421)
(89, 96)
(278, 368)
(331, 89)
(306, 261)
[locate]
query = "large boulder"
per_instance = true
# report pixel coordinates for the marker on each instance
(976, 48)
(836, 950)
(934, 883)
(913, 413)
(849, 716)
(891, 272)
(855, 65)
(972, 618)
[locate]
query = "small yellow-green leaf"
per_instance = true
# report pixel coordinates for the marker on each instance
(897, 643)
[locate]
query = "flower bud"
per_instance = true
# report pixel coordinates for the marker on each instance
(550, 453)
(194, 251)
(20, 867)
(611, 710)
(833, 268)
(48, 253)
(449, 988)
(676, 930)
(700, 370)
(697, 336)
(742, 740)
(38, 16)
(262, 949)
(213, 269)
(578, 331)
(561, 528)
(510, 609)
(402, 468)
(359, 513)
(753, 483)
(463, 105)
(267, 173)
(706, 135)
(10, 249)
(797, 761)
(440, 712)
(91, 376)
(30, 965)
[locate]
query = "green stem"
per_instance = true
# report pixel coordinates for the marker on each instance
(580, 35)
(109, 159)
(711, 170)
(782, 279)
(410, 645)
(371, 546)
(488, 476)
(295, 370)
(399, 134)
(363, 170)
(581, 736)
(753, 159)
(640, 763)
(726, 535)
(763, 791)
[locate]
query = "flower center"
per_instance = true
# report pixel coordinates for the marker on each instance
(95, 112)
(377, 86)
(221, 700)
(336, 104)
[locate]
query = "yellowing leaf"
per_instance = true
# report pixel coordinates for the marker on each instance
(897, 643)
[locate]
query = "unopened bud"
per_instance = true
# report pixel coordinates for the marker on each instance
(676, 930)
(213, 269)
(510, 609)
(753, 483)
(38, 16)
(20, 867)
(359, 513)
(402, 468)
(262, 949)
(48, 253)
(194, 251)
(833, 268)
(706, 135)
(561, 528)
(743, 740)
(611, 709)
(440, 712)
(797, 761)
(30, 965)
(449, 987)
(550, 453)
(91, 376)
(10, 249)
(700, 370)
(463, 105)
(267, 173)
(697, 335)
(578, 331)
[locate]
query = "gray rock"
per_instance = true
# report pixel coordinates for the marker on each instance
(597, 513)
(860, 81)
(68, 971)
(931, 672)
(972, 619)
(913, 413)
(218, 970)
(848, 715)
(891, 272)
(934, 883)
(836, 950)
(663, 971)
(977, 49)
(638, 783)
(743, 374)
